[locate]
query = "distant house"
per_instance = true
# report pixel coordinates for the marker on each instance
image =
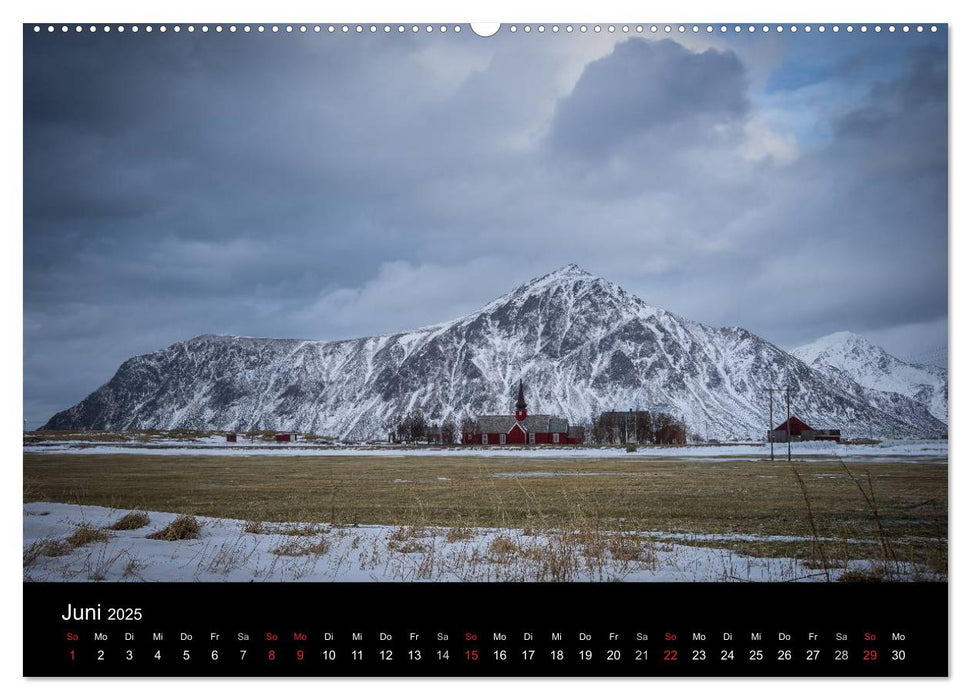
(230, 437)
(285, 437)
(797, 430)
(521, 428)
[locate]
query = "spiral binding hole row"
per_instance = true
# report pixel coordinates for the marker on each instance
(513, 28)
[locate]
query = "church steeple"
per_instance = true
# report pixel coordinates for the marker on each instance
(521, 403)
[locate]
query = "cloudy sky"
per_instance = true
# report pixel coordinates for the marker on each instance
(327, 186)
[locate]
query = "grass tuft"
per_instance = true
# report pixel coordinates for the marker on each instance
(45, 548)
(301, 548)
(84, 534)
(502, 546)
(458, 534)
(184, 527)
(131, 521)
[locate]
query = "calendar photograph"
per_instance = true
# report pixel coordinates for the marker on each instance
(425, 304)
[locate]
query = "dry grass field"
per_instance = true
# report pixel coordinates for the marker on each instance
(815, 511)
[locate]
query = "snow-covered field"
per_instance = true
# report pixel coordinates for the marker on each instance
(887, 450)
(233, 550)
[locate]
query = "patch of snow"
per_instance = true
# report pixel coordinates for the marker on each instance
(225, 551)
(890, 450)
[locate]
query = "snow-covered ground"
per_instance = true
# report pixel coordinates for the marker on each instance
(887, 450)
(229, 550)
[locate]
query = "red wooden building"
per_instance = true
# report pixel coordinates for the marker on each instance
(798, 431)
(521, 428)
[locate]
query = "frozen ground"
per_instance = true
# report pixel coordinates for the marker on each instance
(233, 550)
(887, 450)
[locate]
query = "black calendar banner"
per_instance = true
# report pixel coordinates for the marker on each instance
(402, 629)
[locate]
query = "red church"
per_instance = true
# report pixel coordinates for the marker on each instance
(520, 428)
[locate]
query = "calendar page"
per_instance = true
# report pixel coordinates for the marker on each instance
(550, 349)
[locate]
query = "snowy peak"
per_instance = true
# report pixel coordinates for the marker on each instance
(566, 278)
(850, 355)
(580, 344)
(573, 281)
(571, 271)
(842, 347)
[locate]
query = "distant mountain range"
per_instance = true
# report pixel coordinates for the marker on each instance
(580, 343)
(848, 356)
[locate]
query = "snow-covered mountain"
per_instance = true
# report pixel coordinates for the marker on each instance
(848, 355)
(581, 345)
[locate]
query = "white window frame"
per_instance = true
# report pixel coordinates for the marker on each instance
(502, 438)
(532, 438)
(556, 437)
(485, 438)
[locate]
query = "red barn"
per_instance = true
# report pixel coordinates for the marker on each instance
(796, 427)
(285, 437)
(521, 428)
(799, 431)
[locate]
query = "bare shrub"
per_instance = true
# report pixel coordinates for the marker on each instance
(184, 527)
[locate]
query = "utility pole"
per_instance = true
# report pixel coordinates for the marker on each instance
(771, 429)
(788, 428)
(771, 390)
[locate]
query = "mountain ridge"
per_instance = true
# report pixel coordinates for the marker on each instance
(581, 344)
(846, 354)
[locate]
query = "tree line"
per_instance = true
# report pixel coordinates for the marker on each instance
(414, 427)
(637, 428)
(606, 428)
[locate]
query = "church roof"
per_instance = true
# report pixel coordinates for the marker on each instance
(796, 426)
(494, 424)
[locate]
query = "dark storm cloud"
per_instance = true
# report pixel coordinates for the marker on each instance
(333, 186)
(644, 87)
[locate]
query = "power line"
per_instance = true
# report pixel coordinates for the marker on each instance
(770, 390)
